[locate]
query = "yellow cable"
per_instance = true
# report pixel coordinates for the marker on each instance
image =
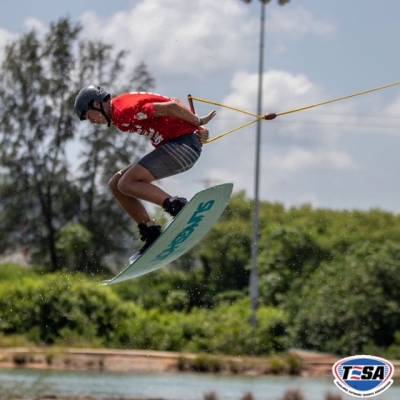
(338, 99)
(273, 115)
(232, 130)
(223, 105)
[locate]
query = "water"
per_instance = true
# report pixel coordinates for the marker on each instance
(184, 386)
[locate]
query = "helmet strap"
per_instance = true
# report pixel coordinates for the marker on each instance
(101, 110)
(108, 119)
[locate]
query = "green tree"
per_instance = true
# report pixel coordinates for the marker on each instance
(225, 251)
(73, 243)
(288, 256)
(36, 123)
(41, 188)
(351, 302)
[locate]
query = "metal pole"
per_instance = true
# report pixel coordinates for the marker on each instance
(253, 289)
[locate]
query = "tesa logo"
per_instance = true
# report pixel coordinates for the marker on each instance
(363, 376)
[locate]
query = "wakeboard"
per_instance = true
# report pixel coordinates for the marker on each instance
(186, 230)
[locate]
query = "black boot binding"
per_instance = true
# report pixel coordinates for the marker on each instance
(148, 235)
(173, 205)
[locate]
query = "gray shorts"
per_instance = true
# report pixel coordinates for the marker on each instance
(175, 156)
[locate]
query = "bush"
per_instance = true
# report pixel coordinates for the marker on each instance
(205, 363)
(47, 309)
(68, 310)
(226, 330)
(348, 304)
(11, 272)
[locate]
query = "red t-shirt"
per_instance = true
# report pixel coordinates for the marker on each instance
(134, 112)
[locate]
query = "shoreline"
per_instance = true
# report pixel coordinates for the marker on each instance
(301, 363)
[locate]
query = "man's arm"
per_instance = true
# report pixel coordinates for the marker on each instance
(175, 108)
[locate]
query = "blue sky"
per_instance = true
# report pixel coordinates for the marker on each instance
(343, 155)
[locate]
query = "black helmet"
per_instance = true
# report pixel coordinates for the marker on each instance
(86, 96)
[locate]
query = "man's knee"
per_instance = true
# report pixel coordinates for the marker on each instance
(124, 183)
(113, 183)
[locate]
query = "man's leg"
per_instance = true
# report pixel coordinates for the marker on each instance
(128, 186)
(131, 184)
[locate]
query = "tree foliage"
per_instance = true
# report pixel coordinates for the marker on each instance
(35, 126)
(329, 282)
(225, 253)
(58, 309)
(54, 172)
(349, 303)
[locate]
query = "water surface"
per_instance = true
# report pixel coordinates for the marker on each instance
(177, 386)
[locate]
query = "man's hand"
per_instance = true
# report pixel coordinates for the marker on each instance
(206, 119)
(203, 134)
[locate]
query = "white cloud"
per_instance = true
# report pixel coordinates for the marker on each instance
(35, 24)
(385, 119)
(297, 160)
(282, 91)
(393, 109)
(279, 87)
(297, 21)
(292, 149)
(5, 38)
(179, 37)
(391, 114)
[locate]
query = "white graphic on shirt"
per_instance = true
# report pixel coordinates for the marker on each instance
(140, 116)
(154, 136)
